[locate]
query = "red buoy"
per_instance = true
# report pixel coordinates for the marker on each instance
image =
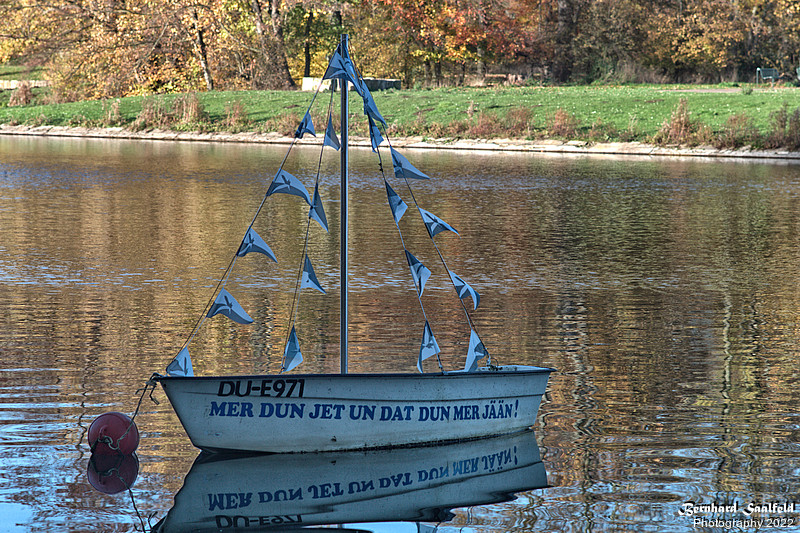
(111, 474)
(113, 433)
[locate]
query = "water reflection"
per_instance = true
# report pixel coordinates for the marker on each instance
(112, 473)
(269, 492)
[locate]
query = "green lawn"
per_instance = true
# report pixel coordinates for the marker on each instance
(16, 72)
(598, 113)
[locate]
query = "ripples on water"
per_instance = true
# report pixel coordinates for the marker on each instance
(664, 291)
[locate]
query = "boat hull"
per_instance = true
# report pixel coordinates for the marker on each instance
(313, 413)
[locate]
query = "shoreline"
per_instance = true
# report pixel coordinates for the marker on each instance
(487, 145)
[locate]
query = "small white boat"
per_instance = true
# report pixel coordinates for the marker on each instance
(288, 492)
(310, 413)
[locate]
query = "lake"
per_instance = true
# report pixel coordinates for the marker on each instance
(664, 291)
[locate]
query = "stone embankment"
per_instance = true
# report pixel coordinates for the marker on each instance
(488, 145)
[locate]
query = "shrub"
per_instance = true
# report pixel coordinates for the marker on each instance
(680, 129)
(793, 134)
(235, 117)
(487, 125)
(777, 131)
(111, 114)
(77, 120)
(562, 124)
(518, 122)
(187, 109)
(633, 132)
(738, 131)
(22, 95)
(602, 131)
(783, 131)
(154, 114)
(677, 129)
(286, 125)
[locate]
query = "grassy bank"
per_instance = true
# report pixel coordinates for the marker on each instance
(716, 115)
(19, 72)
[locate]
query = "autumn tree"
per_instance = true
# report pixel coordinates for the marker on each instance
(461, 32)
(700, 39)
(115, 47)
(602, 54)
(312, 28)
(122, 47)
(779, 25)
(268, 23)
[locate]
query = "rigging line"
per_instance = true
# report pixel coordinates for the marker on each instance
(228, 270)
(201, 320)
(314, 98)
(224, 279)
(436, 247)
(403, 243)
(322, 150)
(296, 299)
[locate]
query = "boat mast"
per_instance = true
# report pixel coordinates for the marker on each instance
(344, 197)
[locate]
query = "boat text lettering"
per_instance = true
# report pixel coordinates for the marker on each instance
(327, 411)
(499, 460)
(282, 410)
(267, 410)
(500, 410)
(229, 500)
(238, 521)
(424, 476)
(280, 495)
(398, 413)
(325, 490)
(244, 409)
(237, 500)
(286, 388)
(432, 474)
(496, 409)
(466, 412)
(403, 479)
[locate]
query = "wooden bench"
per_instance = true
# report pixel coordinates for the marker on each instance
(770, 74)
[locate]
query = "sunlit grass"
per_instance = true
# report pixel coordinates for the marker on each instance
(597, 113)
(18, 72)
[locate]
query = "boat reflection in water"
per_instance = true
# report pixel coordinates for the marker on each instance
(290, 491)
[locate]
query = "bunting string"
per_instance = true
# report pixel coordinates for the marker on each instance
(223, 302)
(454, 279)
(229, 269)
(291, 336)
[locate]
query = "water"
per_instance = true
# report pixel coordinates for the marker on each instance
(664, 291)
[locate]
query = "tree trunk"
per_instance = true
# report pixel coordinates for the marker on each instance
(426, 69)
(201, 51)
(273, 58)
(282, 65)
(562, 60)
(307, 45)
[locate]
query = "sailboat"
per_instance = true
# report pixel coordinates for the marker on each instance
(296, 412)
